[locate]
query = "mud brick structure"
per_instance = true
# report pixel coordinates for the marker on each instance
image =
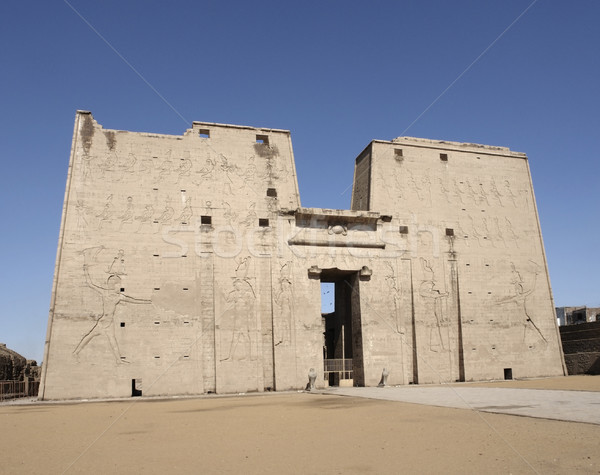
(187, 265)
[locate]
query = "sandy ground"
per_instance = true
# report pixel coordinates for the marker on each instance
(292, 433)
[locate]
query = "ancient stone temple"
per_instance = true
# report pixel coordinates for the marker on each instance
(186, 265)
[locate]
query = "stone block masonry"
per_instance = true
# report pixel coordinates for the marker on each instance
(186, 265)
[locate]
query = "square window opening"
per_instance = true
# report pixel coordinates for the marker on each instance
(444, 157)
(262, 139)
(263, 222)
(272, 192)
(205, 219)
(449, 232)
(204, 133)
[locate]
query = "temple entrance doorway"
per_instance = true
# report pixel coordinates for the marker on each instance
(342, 346)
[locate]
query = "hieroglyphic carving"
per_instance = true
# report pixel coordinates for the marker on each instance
(106, 213)
(395, 291)
(251, 218)
(511, 231)
(509, 193)
(145, 218)
(434, 297)
(229, 215)
(166, 167)
(187, 212)
(164, 219)
(495, 193)
(117, 266)
(81, 222)
(86, 166)
(283, 300)
(128, 165)
(108, 164)
(237, 322)
(458, 192)
(128, 214)
(184, 168)
(413, 184)
(444, 189)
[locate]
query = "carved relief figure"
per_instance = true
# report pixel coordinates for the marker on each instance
(127, 216)
(86, 166)
(251, 218)
(166, 216)
(237, 322)
(146, 218)
(166, 167)
(187, 213)
(105, 325)
(80, 220)
(108, 164)
(117, 267)
(283, 300)
(207, 172)
(429, 290)
(184, 168)
(509, 193)
(522, 290)
(106, 213)
(444, 189)
(127, 166)
(395, 292)
(495, 193)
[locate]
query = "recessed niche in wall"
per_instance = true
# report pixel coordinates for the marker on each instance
(262, 139)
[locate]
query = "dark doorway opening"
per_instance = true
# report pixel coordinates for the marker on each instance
(136, 387)
(508, 373)
(342, 349)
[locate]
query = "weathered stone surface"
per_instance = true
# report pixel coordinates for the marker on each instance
(12, 364)
(187, 265)
(581, 346)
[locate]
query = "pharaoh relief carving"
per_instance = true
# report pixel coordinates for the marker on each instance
(523, 284)
(283, 297)
(435, 298)
(237, 323)
(111, 296)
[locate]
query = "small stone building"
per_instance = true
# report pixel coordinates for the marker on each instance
(187, 265)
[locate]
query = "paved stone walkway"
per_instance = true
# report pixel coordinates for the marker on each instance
(575, 406)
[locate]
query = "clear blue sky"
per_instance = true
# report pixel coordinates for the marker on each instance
(337, 74)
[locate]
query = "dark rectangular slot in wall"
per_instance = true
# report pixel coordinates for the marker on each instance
(508, 373)
(444, 157)
(403, 229)
(262, 139)
(263, 222)
(136, 387)
(272, 192)
(449, 232)
(205, 219)
(204, 133)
